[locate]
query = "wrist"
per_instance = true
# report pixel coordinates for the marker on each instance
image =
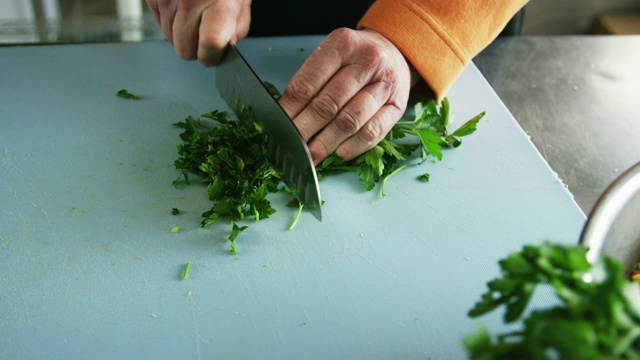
(419, 86)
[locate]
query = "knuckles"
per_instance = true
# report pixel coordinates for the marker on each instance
(371, 133)
(347, 122)
(319, 150)
(299, 89)
(213, 41)
(325, 106)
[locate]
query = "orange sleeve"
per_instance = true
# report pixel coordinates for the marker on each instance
(440, 37)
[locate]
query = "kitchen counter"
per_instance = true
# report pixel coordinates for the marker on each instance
(578, 98)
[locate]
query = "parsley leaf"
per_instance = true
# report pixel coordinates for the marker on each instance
(429, 129)
(424, 177)
(597, 319)
(124, 93)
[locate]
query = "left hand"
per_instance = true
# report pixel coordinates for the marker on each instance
(348, 94)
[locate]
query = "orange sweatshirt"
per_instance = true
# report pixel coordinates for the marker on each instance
(440, 37)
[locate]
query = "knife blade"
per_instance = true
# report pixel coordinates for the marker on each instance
(287, 151)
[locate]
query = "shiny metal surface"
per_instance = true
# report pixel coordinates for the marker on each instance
(578, 98)
(613, 227)
(287, 151)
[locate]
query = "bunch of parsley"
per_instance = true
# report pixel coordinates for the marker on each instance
(231, 159)
(597, 317)
(429, 129)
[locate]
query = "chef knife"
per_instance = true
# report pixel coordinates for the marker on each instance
(287, 151)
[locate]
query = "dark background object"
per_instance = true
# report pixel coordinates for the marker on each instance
(514, 26)
(318, 17)
(312, 17)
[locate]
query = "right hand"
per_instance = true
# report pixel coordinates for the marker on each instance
(201, 29)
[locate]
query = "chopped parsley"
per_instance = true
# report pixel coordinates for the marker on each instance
(124, 93)
(185, 274)
(231, 159)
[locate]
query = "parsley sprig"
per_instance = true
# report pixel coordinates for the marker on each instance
(429, 132)
(594, 319)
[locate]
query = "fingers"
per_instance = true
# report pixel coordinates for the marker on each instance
(328, 102)
(186, 28)
(152, 5)
(366, 138)
(222, 22)
(202, 28)
(360, 125)
(348, 94)
(164, 12)
(308, 81)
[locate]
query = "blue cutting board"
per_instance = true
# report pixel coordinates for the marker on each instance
(91, 270)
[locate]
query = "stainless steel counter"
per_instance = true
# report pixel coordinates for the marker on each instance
(578, 98)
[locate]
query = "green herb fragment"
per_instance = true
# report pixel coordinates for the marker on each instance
(273, 91)
(295, 221)
(235, 231)
(175, 211)
(124, 93)
(384, 182)
(185, 275)
(594, 319)
(424, 177)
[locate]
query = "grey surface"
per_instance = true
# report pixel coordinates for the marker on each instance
(571, 17)
(578, 97)
(90, 269)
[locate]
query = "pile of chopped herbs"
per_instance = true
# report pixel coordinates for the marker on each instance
(597, 316)
(231, 159)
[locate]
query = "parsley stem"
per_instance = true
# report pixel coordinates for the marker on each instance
(185, 275)
(384, 181)
(400, 123)
(233, 247)
(295, 221)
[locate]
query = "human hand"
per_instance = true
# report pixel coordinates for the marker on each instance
(202, 28)
(348, 94)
